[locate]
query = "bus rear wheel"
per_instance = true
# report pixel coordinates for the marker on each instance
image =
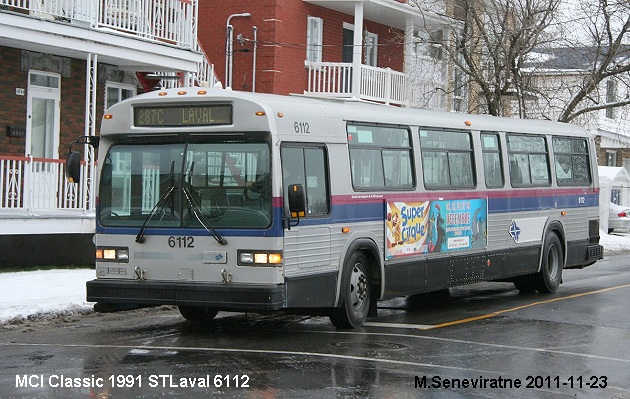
(197, 314)
(549, 277)
(355, 294)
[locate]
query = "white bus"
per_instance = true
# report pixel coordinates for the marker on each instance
(214, 200)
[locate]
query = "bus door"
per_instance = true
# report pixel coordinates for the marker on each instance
(307, 244)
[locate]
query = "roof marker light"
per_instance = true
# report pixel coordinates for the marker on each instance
(162, 93)
(202, 92)
(181, 93)
(108, 116)
(260, 113)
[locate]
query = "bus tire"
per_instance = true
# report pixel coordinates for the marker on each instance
(197, 314)
(355, 294)
(548, 279)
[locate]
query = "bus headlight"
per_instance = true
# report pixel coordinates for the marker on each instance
(259, 258)
(112, 254)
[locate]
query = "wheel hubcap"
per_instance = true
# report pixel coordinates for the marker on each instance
(553, 263)
(358, 288)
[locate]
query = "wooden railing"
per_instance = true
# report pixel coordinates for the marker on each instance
(28, 183)
(171, 21)
(334, 79)
(165, 21)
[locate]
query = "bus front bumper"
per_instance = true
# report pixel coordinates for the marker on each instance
(240, 297)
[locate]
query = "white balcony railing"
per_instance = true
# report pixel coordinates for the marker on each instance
(334, 79)
(165, 21)
(36, 184)
(171, 21)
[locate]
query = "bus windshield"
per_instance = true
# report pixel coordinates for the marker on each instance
(170, 184)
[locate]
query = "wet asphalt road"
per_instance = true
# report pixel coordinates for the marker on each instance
(484, 340)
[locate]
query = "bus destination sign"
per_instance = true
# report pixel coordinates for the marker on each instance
(182, 115)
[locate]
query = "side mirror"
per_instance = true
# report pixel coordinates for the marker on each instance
(73, 162)
(297, 200)
(73, 167)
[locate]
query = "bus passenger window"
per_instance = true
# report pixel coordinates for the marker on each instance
(380, 157)
(571, 161)
(529, 162)
(492, 166)
(447, 159)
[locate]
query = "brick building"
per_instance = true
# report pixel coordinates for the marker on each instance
(315, 47)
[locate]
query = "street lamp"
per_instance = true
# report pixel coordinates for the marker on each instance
(229, 48)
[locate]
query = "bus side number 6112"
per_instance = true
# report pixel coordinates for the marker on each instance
(181, 242)
(301, 127)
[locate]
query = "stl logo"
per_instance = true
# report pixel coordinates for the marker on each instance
(515, 231)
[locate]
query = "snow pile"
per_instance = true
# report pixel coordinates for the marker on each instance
(43, 294)
(617, 243)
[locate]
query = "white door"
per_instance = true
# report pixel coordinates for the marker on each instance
(42, 136)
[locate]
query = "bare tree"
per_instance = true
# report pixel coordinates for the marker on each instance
(605, 40)
(490, 45)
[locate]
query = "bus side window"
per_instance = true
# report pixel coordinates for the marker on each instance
(571, 161)
(307, 166)
(380, 157)
(529, 160)
(447, 159)
(492, 166)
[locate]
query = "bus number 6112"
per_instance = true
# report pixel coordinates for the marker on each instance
(181, 242)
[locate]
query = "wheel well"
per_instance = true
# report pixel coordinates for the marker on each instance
(370, 250)
(557, 229)
(374, 272)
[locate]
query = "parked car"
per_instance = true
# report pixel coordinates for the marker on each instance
(618, 217)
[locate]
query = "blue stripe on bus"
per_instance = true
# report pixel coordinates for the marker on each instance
(374, 210)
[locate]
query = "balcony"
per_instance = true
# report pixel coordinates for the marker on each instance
(36, 186)
(334, 79)
(170, 21)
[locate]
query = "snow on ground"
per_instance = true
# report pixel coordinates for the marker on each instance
(45, 294)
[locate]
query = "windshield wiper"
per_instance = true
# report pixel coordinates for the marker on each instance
(158, 205)
(196, 210)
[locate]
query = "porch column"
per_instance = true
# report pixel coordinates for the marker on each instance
(86, 183)
(357, 50)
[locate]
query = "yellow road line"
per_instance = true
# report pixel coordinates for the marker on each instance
(500, 312)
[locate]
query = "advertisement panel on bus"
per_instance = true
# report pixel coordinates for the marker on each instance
(414, 228)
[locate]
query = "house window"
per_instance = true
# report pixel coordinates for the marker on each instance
(116, 92)
(459, 90)
(428, 44)
(314, 39)
(611, 158)
(370, 49)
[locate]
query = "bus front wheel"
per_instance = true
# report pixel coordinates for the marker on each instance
(355, 294)
(197, 314)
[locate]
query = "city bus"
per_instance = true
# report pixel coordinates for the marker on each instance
(216, 200)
